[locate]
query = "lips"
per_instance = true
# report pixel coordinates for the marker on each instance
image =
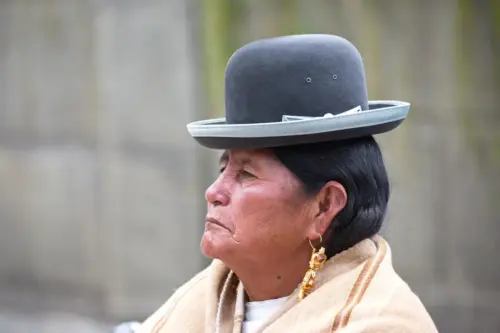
(215, 221)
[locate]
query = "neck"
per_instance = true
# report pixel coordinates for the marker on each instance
(274, 279)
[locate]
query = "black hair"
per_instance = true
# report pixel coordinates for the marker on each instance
(358, 165)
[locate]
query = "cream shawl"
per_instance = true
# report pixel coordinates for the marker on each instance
(356, 291)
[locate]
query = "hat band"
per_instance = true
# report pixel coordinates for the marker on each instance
(286, 118)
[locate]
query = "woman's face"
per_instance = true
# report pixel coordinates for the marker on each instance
(255, 207)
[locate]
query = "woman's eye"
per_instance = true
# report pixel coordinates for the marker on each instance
(246, 174)
(221, 170)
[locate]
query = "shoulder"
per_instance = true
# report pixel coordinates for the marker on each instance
(402, 312)
(386, 303)
(367, 295)
(189, 296)
(406, 312)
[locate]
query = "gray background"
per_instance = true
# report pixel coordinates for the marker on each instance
(102, 190)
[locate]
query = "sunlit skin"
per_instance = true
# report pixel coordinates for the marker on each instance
(259, 221)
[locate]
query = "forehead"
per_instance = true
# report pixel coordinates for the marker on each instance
(247, 156)
(265, 162)
(256, 158)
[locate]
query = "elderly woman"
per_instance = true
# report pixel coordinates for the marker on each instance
(293, 218)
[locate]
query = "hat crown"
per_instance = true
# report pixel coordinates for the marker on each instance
(299, 75)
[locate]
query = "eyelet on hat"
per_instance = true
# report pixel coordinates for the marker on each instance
(308, 80)
(334, 76)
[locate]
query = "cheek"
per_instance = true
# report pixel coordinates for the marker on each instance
(267, 213)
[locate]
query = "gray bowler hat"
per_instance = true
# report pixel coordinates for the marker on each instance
(294, 90)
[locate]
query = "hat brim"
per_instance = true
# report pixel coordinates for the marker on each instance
(381, 117)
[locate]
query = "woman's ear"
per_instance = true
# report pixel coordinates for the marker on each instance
(330, 200)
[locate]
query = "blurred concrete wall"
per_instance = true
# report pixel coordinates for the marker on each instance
(102, 188)
(99, 195)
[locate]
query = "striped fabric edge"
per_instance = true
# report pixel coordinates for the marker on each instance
(360, 286)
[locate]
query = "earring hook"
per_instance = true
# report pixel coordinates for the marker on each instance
(320, 239)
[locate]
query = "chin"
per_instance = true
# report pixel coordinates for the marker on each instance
(209, 246)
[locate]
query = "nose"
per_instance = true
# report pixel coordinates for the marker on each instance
(216, 194)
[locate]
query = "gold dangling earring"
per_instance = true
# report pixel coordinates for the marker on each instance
(318, 258)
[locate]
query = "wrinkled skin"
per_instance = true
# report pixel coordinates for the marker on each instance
(260, 205)
(260, 221)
